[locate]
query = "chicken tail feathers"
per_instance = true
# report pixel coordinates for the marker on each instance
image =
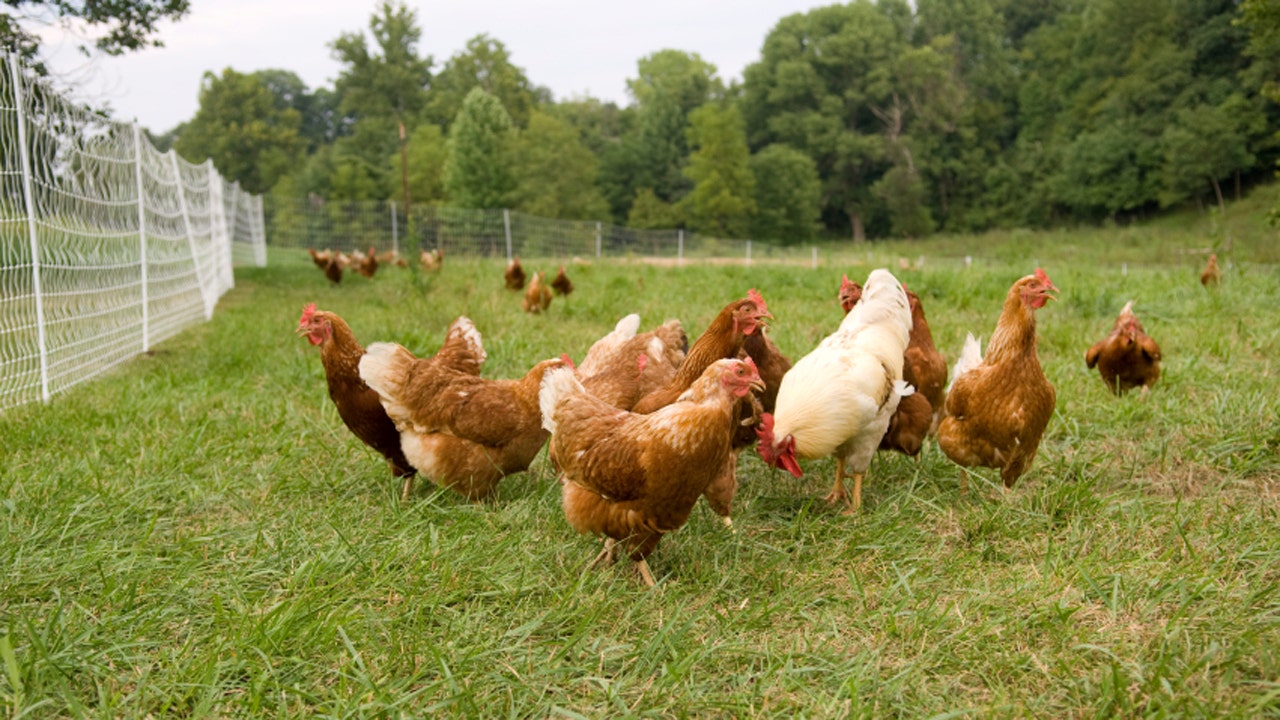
(556, 384)
(970, 358)
(384, 368)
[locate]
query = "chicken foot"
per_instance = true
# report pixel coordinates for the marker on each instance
(607, 556)
(837, 491)
(407, 489)
(646, 576)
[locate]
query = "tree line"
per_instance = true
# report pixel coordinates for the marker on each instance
(867, 119)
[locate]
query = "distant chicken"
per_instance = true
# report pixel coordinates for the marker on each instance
(537, 297)
(999, 406)
(838, 399)
(320, 258)
(561, 284)
(391, 257)
(850, 293)
(431, 260)
(460, 431)
(357, 404)
(1128, 357)
(1211, 276)
(365, 264)
(634, 478)
(514, 276)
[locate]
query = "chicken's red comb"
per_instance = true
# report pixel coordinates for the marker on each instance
(307, 313)
(752, 364)
(568, 361)
(1043, 277)
(754, 296)
(642, 361)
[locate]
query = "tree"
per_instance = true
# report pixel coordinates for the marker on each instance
(239, 125)
(788, 195)
(723, 197)
(650, 212)
(819, 76)
(476, 175)
(1206, 144)
(554, 174)
(320, 121)
(121, 25)
(427, 153)
(391, 86)
(487, 65)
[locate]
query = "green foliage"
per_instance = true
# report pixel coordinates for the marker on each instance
(117, 27)
(554, 174)
(239, 125)
(722, 200)
(650, 212)
(484, 64)
(476, 174)
(391, 82)
(428, 153)
(903, 194)
(788, 195)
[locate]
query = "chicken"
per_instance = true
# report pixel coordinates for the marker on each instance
(1210, 276)
(431, 260)
(997, 411)
(1128, 357)
(357, 405)
(460, 431)
(908, 426)
(366, 264)
(722, 339)
(769, 360)
(923, 367)
(625, 365)
(633, 478)
(838, 399)
(561, 284)
(537, 297)
(320, 258)
(391, 257)
(514, 276)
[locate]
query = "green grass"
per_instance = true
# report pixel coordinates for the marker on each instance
(196, 534)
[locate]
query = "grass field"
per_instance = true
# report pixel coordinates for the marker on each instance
(197, 535)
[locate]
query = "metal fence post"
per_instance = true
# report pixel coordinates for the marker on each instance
(259, 237)
(815, 257)
(597, 239)
(680, 246)
(748, 252)
(395, 231)
(29, 200)
(142, 236)
(506, 224)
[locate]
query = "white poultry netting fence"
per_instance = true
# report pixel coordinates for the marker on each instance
(462, 232)
(107, 246)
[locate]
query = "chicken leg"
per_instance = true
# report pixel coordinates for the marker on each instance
(855, 501)
(837, 491)
(606, 556)
(407, 490)
(642, 567)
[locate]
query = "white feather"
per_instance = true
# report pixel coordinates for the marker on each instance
(970, 358)
(383, 368)
(626, 329)
(467, 329)
(555, 385)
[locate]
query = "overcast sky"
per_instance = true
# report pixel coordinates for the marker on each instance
(574, 47)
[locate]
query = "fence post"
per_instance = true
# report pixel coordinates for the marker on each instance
(259, 239)
(29, 200)
(748, 252)
(142, 235)
(233, 221)
(206, 292)
(506, 224)
(680, 246)
(395, 231)
(815, 257)
(597, 239)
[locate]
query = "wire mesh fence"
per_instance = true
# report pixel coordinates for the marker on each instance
(463, 232)
(107, 245)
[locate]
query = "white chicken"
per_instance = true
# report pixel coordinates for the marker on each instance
(838, 399)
